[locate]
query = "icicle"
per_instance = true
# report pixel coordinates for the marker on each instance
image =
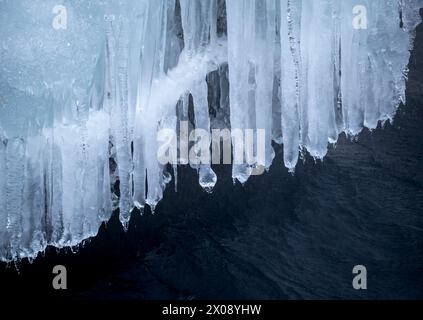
(4, 238)
(199, 20)
(54, 188)
(33, 233)
(265, 34)
(152, 67)
(240, 28)
(15, 153)
(251, 40)
(207, 177)
(290, 80)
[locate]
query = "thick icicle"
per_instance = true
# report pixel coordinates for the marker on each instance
(4, 238)
(290, 80)
(251, 45)
(241, 79)
(199, 21)
(15, 165)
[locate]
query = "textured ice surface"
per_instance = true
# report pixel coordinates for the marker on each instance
(81, 105)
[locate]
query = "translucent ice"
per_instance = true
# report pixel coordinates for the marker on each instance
(86, 86)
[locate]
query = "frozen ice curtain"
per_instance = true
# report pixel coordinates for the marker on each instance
(86, 86)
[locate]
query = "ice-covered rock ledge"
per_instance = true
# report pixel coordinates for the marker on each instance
(86, 86)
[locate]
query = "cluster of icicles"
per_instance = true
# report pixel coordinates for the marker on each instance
(298, 69)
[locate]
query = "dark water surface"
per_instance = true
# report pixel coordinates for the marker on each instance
(279, 236)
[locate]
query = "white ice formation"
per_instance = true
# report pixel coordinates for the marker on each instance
(85, 86)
